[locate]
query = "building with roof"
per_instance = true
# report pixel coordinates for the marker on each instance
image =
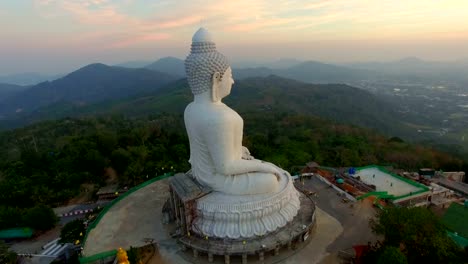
(459, 187)
(458, 176)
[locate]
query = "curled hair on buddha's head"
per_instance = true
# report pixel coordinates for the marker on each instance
(203, 61)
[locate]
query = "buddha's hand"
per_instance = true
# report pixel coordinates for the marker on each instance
(246, 154)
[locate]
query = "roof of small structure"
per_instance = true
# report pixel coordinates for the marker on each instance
(426, 169)
(453, 185)
(312, 164)
(24, 232)
(187, 188)
(461, 241)
(108, 189)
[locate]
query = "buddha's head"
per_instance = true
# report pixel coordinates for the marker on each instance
(207, 69)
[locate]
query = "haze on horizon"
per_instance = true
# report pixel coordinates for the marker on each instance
(56, 36)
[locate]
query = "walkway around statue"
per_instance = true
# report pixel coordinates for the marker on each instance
(137, 217)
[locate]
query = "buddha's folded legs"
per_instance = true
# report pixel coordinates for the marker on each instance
(246, 184)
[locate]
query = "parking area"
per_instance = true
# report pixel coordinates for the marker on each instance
(353, 216)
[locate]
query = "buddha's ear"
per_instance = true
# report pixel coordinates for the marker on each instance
(214, 89)
(216, 78)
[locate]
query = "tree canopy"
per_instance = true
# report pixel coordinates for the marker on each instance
(40, 217)
(73, 231)
(417, 233)
(7, 256)
(392, 255)
(50, 162)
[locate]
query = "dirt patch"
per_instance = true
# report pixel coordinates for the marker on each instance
(131, 221)
(331, 259)
(155, 258)
(111, 176)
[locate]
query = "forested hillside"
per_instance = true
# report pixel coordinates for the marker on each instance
(338, 102)
(52, 162)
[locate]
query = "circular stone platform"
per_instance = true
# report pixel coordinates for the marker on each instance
(138, 217)
(295, 232)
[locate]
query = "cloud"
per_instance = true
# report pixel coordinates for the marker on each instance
(90, 12)
(170, 23)
(294, 19)
(107, 23)
(126, 41)
(115, 29)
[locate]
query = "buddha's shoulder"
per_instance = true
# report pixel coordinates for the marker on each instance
(217, 114)
(218, 109)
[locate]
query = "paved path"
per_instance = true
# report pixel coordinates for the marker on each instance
(354, 217)
(327, 229)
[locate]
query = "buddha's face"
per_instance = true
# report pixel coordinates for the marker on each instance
(226, 83)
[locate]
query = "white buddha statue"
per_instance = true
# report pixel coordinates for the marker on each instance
(217, 156)
(251, 197)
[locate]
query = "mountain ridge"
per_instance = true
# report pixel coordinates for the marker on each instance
(7, 90)
(169, 65)
(92, 83)
(338, 102)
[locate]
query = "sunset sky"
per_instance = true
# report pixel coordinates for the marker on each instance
(55, 36)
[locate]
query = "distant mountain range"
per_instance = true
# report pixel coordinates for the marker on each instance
(102, 89)
(342, 103)
(318, 72)
(28, 78)
(169, 65)
(274, 64)
(309, 71)
(133, 64)
(90, 84)
(7, 90)
(412, 66)
(99, 82)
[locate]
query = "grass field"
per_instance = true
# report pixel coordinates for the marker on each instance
(456, 219)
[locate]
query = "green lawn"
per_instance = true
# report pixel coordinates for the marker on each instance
(456, 219)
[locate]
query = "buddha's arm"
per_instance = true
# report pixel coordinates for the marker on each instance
(242, 166)
(220, 139)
